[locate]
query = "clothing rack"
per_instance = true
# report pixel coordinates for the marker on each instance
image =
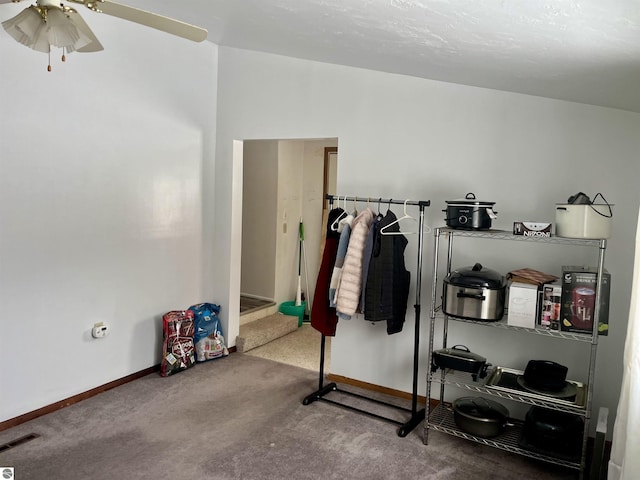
(323, 390)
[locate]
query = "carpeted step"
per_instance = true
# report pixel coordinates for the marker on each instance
(264, 330)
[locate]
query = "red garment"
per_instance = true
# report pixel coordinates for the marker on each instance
(323, 317)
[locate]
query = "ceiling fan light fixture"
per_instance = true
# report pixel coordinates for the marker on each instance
(50, 23)
(25, 27)
(62, 31)
(41, 27)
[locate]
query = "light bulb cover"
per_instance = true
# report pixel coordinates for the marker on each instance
(41, 27)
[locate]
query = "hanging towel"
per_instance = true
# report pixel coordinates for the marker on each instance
(323, 317)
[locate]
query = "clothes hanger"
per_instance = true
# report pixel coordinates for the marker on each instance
(369, 206)
(406, 216)
(334, 225)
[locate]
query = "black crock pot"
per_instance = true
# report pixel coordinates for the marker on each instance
(474, 293)
(469, 213)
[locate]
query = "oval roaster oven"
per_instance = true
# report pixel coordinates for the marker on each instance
(475, 293)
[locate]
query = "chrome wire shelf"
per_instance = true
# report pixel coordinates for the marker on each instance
(580, 337)
(461, 380)
(441, 420)
(506, 235)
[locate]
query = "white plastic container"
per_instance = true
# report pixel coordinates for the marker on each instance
(583, 221)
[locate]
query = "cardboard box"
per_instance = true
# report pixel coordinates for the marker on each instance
(579, 300)
(529, 275)
(551, 306)
(532, 229)
(523, 305)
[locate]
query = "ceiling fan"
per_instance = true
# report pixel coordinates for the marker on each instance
(50, 23)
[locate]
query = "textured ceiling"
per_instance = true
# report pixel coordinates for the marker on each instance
(584, 51)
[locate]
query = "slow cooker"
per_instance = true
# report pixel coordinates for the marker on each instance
(469, 213)
(474, 293)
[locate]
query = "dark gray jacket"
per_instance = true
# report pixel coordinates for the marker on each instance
(387, 288)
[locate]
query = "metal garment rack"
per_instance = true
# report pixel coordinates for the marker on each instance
(416, 415)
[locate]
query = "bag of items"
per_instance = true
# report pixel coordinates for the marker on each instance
(208, 338)
(178, 352)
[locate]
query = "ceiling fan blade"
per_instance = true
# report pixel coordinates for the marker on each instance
(94, 45)
(165, 24)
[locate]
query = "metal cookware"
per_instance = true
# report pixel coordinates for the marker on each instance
(552, 432)
(474, 293)
(480, 416)
(545, 375)
(461, 359)
(469, 213)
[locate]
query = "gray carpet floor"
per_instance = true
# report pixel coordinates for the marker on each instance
(241, 417)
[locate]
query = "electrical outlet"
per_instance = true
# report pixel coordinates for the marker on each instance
(99, 330)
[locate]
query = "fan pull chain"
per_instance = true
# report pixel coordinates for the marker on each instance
(64, 57)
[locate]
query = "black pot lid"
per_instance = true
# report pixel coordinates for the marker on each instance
(469, 199)
(477, 277)
(481, 409)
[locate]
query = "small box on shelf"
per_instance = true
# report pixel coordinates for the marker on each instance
(523, 305)
(529, 275)
(579, 286)
(532, 229)
(551, 305)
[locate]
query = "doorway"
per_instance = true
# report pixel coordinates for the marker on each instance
(283, 190)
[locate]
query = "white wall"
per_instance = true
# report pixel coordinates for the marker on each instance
(259, 209)
(404, 137)
(290, 168)
(106, 183)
